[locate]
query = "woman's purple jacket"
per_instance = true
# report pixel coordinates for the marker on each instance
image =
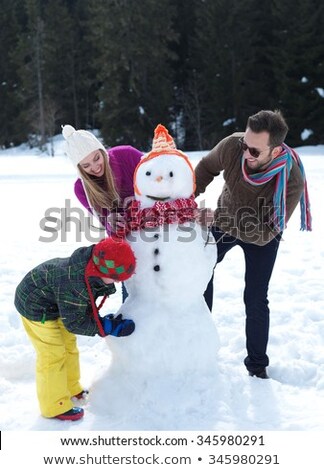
(123, 161)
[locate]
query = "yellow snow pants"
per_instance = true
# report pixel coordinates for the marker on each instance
(57, 365)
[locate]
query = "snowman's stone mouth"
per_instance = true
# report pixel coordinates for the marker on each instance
(155, 198)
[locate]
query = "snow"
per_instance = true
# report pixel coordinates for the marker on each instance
(320, 91)
(291, 400)
(306, 133)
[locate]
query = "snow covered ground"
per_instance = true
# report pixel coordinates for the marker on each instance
(292, 400)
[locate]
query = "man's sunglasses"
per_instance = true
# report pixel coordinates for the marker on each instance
(253, 151)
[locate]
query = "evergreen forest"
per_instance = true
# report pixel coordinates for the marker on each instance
(200, 67)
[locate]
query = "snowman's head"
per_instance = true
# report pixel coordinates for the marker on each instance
(165, 173)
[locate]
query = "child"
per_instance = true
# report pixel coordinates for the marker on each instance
(56, 300)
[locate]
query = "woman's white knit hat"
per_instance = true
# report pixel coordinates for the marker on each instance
(79, 143)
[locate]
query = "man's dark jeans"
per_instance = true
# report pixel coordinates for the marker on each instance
(259, 262)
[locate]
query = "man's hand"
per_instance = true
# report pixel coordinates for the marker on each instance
(205, 216)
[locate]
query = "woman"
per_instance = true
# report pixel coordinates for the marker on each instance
(106, 176)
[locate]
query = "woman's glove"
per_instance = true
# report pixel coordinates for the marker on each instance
(117, 326)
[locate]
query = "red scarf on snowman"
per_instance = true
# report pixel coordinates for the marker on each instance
(177, 211)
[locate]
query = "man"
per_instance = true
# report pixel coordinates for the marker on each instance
(264, 181)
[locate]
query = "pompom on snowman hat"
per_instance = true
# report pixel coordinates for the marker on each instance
(163, 145)
(111, 258)
(79, 143)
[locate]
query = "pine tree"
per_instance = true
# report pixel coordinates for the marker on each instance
(200, 67)
(12, 128)
(186, 95)
(298, 64)
(29, 58)
(132, 60)
(58, 69)
(231, 71)
(69, 74)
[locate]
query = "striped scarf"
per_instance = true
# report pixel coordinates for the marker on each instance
(280, 167)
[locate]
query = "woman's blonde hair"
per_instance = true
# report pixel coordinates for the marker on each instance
(104, 195)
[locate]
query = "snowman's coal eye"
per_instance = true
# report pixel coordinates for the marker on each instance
(171, 173)
(148, 173)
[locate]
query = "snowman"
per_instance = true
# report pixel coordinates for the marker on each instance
(170, 361)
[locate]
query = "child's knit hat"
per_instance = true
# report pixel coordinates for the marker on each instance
(79, 143)
(111, 258)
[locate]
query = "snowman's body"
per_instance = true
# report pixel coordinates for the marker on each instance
(175, 342)
(175, 332)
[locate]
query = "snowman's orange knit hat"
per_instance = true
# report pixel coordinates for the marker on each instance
(163, 144)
